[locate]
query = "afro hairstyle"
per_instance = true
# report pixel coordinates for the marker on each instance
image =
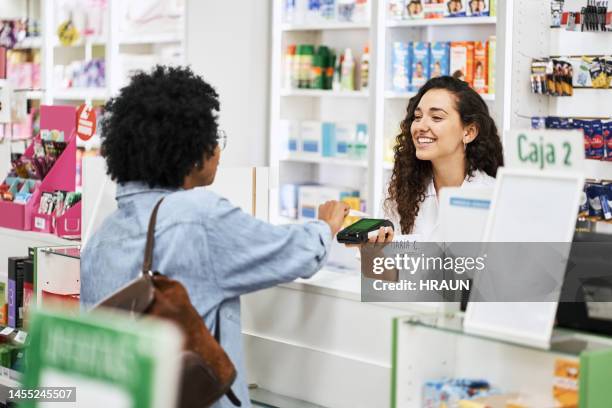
(159, 127)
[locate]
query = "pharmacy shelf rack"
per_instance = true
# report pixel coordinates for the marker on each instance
(325, 160)
(456, 21)
(326, 26)
(325, 93)
(408, 95)
(380, 108)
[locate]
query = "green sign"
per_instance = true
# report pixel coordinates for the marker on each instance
(112, 360)
(558, 150)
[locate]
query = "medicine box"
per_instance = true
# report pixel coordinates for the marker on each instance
(310, 135)
(440, 59)
(462, 61)
(288, 196)
(290, 135)
(481, 76)
(346, 133)
(420, 60)
(311, 196)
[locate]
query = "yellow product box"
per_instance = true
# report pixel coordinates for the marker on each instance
(355, 204)
(565, 386)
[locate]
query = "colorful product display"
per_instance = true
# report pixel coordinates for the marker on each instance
(310, 67)
(23, 69)
(594, 16)
(415, 62)
(449, 392)
(431, 9)
(326, 139)
(81, 74)
(597, 134)
(321, 11)
(301, 201)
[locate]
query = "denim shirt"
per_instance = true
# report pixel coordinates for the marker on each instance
(214, 249)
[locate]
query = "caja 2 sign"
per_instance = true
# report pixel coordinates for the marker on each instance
(542, 150)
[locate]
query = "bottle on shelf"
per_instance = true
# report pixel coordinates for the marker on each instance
(306, 66)
(290, 58)
(347, 80)
(338, 72)
(364, 69)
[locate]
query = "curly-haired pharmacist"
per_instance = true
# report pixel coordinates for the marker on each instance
(160, 139)
(448, 139)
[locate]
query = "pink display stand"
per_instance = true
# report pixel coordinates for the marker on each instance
(60, 177)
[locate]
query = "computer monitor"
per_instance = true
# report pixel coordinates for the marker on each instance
(586, 296)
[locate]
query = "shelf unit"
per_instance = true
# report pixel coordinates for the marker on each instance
(379, 107)
(447, 351)
(114, 46)
(537, 40)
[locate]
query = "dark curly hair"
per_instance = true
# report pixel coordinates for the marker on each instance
(411, 176)
(160, 126)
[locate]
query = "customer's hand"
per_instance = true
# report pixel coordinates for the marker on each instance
(333, 213)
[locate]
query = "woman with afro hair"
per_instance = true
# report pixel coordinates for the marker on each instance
(160, 139)
(447, 139)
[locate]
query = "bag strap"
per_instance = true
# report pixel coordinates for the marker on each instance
(147, 266)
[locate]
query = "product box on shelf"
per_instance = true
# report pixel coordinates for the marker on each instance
(311, 196)
(456, 8)
(414, 9)
(290, 135)
(478, 8)
(491, 73)
(420, 60)
(434, 8)
(346, 133)
(61, 176)
(462, 61)
(16, 271)
(481, 75)
(400, 54)
(440, 59)
(395, 9)
(310, 135)
(328, 131)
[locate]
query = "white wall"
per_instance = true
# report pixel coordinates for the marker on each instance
(228, 43)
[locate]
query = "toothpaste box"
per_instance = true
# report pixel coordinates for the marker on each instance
(400, 68)
(310, 135)
(440, 59)
(420, 61)
(288, 204)
(481, 75)
(462, 61)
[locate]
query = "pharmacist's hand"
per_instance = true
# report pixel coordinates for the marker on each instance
(384, 236)
(333, 213)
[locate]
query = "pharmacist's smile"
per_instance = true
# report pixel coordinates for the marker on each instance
(424, 141)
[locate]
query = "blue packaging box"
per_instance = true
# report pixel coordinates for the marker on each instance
(440, 59)
(420, 61)
(400, 66)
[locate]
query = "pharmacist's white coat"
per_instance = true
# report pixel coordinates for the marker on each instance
(426, 226)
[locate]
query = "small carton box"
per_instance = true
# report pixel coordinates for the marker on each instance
(478, 8)
(462, 61)
(310, 135)
(420, 61)
(481, 67)
(440, 59)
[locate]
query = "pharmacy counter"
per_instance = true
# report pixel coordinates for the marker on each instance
(314, 340)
